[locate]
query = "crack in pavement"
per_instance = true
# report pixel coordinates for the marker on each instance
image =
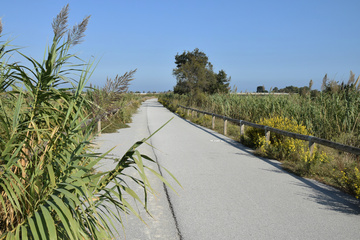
(164, 185)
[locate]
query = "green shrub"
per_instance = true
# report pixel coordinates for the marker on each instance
(349, 179)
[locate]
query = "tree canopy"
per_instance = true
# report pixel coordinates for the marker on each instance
(194, 73)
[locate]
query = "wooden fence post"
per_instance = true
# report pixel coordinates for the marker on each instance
(242, 129)
(213, 121)
(225, 126)
(267, 136)
(311, 146)
(99, 127)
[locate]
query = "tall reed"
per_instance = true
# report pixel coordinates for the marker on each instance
(48, 188)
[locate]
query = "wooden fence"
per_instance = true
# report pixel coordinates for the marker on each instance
(311, 139)
(98, 119)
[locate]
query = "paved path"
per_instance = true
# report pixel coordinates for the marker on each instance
(227, 192)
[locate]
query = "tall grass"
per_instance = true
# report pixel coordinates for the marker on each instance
(333, 116)
(48, 188)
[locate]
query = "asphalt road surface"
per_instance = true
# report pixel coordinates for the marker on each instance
(227, 192)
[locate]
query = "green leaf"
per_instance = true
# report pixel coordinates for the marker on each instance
(40, 226)
(3, 204)
(11, 195)
(69, 195)
(16, 114)
(51, 175)
(50, 224)
(161, 178)
(173, 177)
(24, 233)
(32, 225)
(63, 218)
(159, 129)
(10, 236)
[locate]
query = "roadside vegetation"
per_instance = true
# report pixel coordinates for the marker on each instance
(333, 114)
(114, 97)
(48, 186)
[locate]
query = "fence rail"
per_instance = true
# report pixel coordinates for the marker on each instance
(100, 117)
(311, 139)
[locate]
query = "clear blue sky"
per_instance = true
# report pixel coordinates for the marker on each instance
(258, 42)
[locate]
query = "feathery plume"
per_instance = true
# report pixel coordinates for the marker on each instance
(351, 79)
(357, 83)
(120, 84)
(76, 35)
(1, 28)
(324, 83)
(59, 23)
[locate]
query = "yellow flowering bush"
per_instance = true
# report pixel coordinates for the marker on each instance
(171, 105)
(202, 119)
(350, 180)
(357, 182)
(208, 118)
(280, 146)
(180, 112)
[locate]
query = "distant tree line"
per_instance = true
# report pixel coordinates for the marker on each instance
(306, 90)
(328, 86)
(299, 90)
